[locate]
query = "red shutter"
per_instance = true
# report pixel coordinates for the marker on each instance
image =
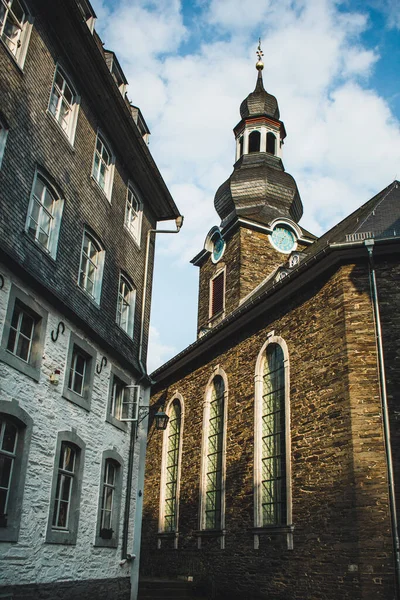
(217, 299)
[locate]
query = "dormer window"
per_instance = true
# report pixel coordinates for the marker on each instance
(271, 143)
(254, 141)
(116, 71)
(88, 13)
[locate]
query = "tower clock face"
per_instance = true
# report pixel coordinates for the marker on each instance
(283, 239)
(218, 247)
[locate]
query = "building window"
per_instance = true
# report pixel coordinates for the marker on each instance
(63, 103)
(122, 400)
(3, 139)
(171, 460)
(79, 372)
(133, 214)
(44, 215)
(103, 165)
(109, 500)
(15, 28)
(272, 481)
(91, 267)
(271, 143)
(15, 434)
(66, 489)
(213, 463)
(254, 141)
(217, 300)
(126, 305)
(23, 334)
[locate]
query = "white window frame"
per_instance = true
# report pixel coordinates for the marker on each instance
(99, 267)
(133, 218)
(70, 130)
(258, 408)
(56, 215)
(110, 457)
(177, 397)
(130, 302)
(3, 138)
(217, 371)
(109, 168)
(25, 29)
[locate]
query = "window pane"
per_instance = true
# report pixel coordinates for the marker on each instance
(23, 348)
(9, 437)
(6, 463)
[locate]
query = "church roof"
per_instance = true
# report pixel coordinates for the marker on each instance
(259, 102)
(378, 220)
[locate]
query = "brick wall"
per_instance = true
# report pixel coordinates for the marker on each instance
(342, 538)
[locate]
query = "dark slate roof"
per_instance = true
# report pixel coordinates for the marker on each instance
(259, 102)
(260, 189)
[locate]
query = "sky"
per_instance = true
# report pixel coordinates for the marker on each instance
(333, 66)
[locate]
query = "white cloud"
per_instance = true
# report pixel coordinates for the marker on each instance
(158, 352)
(343, 142)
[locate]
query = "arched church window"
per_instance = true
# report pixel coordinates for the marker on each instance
(213, 456)
(272, 453)
(271, 143)
(254, 141)
(171, 467)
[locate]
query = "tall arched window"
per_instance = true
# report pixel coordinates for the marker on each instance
(271, 143)
(254, 141)
(172, 450)
(212, 490)
(272, 452)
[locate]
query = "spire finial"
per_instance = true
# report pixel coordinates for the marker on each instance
(260, 54)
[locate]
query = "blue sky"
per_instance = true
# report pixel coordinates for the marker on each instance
(333, 67)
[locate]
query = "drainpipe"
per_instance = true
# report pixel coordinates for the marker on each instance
(385, 412)
(139, 434)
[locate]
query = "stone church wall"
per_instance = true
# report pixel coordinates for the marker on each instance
(342, 539)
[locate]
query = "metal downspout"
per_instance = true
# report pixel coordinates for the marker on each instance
(385, 412)
(140, 434)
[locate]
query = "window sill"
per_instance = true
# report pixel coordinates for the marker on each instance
(76, 399)
(103, 543)
(132, 237)
(272, 529)
(210, 532)
(125, 333)
(117, 423)
(58, 128)
(67, 538)
(102, 193)
(20, 365)
(168, 535)
(91, 301)
(14, 59)
(38, 246)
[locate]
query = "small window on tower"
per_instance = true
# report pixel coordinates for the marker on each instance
(217, 294)
(271, 143)
(254, 141)
(240, 146)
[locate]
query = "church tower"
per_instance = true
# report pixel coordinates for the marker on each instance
(259, 206)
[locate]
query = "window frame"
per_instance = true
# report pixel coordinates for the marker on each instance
(56, 216)
(132, 305)
(23, 42)
(109, 177)
(135, 231)
(258, 408)
(71, 129)
(113, 456)
(81, 400)
(110, 418)
(32, 367)
(11, 411)
(4, 129)
(176, 398)
(67, 536)
(98, 281)
(211, 315)
(217, 372)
